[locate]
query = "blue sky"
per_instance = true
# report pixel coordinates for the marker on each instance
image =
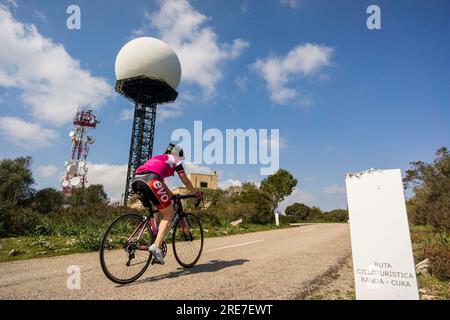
(354, 99)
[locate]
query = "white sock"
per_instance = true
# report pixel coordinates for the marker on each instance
(157, 249)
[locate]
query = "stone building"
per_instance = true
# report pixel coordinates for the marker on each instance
(200, 181)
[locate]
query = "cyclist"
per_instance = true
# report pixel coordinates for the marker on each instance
(153, 173)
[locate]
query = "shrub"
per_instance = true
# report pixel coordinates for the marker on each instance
(439, 255)
(89, 239)
(48, 200)
(15, 220)
(298, 210)
(92, 195)
(208, 217)
(291, 219)
(224, 206)
(337, 215)
(79, 221)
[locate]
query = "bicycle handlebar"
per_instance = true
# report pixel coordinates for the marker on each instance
(182, 196)
(187, 196)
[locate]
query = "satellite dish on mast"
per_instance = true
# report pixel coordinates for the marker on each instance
(75, 181)
(149, 57)
(72, 169)
(65, 183)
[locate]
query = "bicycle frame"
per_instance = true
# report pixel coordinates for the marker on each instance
(143, 225)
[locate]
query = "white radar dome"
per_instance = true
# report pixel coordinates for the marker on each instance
(150, 57)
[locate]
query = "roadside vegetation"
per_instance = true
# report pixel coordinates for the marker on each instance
(40, 223)
(37, 223)
(429, 215)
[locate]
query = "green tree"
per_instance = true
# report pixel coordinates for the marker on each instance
(315, 213)
(95, 194)
(254, 204)
(16, 179)
(48, 200)
(299, 210)
(92, 195)
(278, 186)
(430, 183)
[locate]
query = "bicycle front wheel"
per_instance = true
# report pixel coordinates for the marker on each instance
(124, 254)
(187, 240)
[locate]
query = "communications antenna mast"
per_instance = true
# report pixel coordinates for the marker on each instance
(75, 175)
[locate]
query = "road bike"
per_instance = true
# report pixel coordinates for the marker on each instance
(124, 255)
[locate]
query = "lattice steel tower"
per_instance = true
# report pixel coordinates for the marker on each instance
(146, 93)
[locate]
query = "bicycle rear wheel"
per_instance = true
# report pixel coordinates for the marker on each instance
(124, 256)
(187, 240)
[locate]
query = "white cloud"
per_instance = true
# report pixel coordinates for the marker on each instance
(26, 134)
(169, 111)
(234, 50)
(165, 111)
(52, 83)
(229, 183)
(111, 176)
(279, 72)
(47, 171)
(195, 168)
(127, 114)
(290, 3)
(172, 110)
(241, 82)
(299, 196)
(201, 54)
(334, 189)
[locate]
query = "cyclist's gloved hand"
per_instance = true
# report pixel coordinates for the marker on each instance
(199, 195)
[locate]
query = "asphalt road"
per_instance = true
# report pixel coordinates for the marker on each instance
(263, 265)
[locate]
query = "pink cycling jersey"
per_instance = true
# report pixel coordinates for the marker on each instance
(163, 165)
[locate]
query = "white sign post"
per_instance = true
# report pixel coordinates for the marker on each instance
(383, 263)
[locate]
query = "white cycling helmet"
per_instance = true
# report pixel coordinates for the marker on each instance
(176, 151)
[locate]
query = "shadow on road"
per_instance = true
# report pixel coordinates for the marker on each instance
(211, 266)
